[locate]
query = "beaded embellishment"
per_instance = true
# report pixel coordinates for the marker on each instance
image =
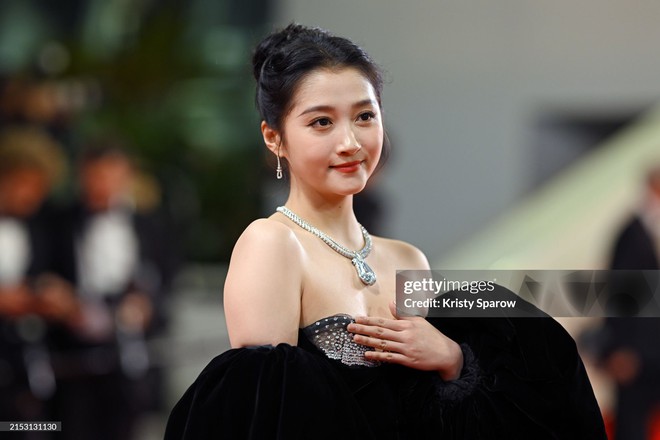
(331, 337)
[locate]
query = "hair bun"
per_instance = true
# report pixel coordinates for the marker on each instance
(274, 43)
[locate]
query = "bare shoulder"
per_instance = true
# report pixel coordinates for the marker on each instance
(267, 234)
(405, 255)
(271, 250)
(268, 228)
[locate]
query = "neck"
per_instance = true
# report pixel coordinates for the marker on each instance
(334, 216)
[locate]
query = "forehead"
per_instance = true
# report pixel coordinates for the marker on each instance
(333, 87)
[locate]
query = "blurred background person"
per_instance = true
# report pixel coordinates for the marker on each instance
(117, 251)
(31, 163)
(628, 346)
(638, 243)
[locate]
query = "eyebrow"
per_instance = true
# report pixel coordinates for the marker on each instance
(325, 108)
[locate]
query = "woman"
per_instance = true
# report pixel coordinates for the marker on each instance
(318, 349)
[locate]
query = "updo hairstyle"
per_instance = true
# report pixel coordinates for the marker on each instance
(283, 59)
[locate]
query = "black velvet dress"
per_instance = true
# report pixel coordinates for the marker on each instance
(522, 379)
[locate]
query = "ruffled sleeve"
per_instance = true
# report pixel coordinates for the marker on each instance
(522, 378)
(267, 392)
(465, 384)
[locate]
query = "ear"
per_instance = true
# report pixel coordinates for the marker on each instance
(272, 138)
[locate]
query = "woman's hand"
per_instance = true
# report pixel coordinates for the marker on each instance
(409, 341)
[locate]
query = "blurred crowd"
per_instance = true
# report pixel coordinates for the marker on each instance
(87, 260)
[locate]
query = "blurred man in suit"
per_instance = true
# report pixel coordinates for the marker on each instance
(630, 351)
(121, 261)
(31, 297)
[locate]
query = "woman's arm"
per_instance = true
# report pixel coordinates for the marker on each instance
(263, 286)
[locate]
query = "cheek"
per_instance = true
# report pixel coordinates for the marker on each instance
(298, 162)
(373, 141)
(304, 150)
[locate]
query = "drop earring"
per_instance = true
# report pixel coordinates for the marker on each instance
(278, 170)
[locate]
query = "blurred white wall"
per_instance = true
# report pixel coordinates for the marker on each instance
(572, 221)
(466, 81)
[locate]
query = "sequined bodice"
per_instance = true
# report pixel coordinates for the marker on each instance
(331, 337)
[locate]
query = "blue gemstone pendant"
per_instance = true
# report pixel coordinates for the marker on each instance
(366, 274)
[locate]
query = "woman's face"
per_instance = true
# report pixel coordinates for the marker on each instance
(333, 134)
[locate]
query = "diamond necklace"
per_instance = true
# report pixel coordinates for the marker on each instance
(365, 273)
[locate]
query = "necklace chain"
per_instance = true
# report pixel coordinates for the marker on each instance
(365, 273)
(364, 252)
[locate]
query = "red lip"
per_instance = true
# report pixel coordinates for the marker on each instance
(348, 167)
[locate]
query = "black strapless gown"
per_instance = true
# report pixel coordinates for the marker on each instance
(523, 379)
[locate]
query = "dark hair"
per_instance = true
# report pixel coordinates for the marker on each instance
(283, 58)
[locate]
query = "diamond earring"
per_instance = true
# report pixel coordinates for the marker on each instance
(278, 170)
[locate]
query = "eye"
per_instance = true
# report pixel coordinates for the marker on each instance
(366, 116)
(321, 122)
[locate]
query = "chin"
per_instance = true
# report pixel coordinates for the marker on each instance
(352, 191)
(352, 185)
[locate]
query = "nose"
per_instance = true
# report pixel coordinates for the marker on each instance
(349, 145)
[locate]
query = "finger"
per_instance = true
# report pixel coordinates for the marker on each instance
(386, 356)
(374, 331)
(379, 344)
(392, 324)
